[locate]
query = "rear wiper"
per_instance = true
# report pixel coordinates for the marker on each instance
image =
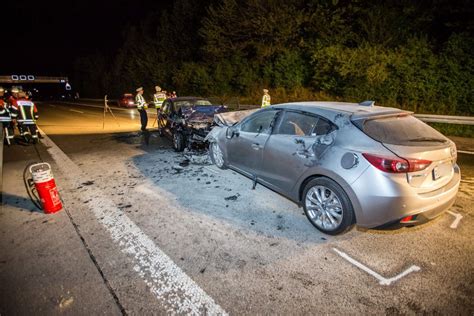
(427, 139)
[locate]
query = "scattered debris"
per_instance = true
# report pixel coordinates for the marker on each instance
(184, 163)
(177, 168)
(66, 302)
(88, 183)
(232, 197)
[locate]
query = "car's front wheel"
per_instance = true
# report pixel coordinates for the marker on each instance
(217, 156)
(178, 141)
(327, 206)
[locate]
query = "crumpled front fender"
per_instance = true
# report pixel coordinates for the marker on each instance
(213, 134)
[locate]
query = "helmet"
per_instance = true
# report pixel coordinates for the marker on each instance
(15, 90)
(2, 90)
(265, 90)
(139, 89)
(158, 88)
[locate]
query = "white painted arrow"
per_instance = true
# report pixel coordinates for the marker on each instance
(457, 219)
(382, 280)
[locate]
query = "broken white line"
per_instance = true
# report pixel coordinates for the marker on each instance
(176, 290)
(382, 280)
(76, 111)
(457, 219)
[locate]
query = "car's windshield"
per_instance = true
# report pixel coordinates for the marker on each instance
(402, 130)
(185, 103)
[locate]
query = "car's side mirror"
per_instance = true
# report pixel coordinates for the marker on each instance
(231, 132)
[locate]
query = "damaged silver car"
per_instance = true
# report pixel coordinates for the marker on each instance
(345, 163)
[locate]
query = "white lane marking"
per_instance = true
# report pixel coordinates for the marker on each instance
(176, 290)
(382, 280)
(211, 170)
(466, 152)
(457, 219)
(76, 111)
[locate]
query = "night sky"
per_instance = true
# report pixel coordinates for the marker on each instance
(44, 37)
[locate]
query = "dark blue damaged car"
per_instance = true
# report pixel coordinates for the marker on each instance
(187, 120)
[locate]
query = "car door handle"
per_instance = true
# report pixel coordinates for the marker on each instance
(256, 146)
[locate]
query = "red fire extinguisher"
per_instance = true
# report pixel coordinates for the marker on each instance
(46, 187)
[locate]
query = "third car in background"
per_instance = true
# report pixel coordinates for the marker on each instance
(126, 101)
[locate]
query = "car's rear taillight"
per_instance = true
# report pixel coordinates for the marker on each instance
(396, 164)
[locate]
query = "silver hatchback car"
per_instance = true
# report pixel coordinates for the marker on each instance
(345, 163)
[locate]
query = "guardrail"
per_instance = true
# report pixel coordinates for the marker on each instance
(431, 118)
(96, 100)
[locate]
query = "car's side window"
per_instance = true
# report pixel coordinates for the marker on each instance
(298, 124)
(260, 123)
(323, 127)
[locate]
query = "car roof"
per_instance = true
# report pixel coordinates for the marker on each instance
(355, 110)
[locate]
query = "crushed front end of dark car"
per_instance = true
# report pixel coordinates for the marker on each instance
(188, 120)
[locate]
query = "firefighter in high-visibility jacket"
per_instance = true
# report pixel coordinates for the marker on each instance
(5, 117)
(158, 99)
(266, 100)
(24, 112)
(142, 106)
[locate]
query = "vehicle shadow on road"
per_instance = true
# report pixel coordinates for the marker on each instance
(144, 140)
(19, 202)
(194, 185)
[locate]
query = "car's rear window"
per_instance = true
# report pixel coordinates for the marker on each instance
(402, 130)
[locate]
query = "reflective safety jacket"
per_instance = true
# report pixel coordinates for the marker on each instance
(140, 102)
(266, 101)
(4, 112)
(158, 99)
(24, 111)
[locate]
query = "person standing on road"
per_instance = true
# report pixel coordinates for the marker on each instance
(158, 99)
(142, 107)
(266, 100)
(5, 117)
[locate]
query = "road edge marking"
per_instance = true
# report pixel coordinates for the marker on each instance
(171, 285)
(382, 280)
(457, 219)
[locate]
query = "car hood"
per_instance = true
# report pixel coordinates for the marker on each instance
(202, 113)
(231, 118)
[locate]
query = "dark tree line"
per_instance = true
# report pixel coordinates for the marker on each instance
(416, 55)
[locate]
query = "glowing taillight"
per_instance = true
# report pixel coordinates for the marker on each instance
(396, 164)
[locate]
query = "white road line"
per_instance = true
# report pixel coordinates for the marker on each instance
(466, 152)
(382, 280)
(176, 290)
(457, 219)
(76, 111)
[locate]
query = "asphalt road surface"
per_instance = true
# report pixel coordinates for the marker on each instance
(146, 230)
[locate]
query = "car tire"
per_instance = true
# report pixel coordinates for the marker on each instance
(217, 156)
(178, 141)
(327, 206)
